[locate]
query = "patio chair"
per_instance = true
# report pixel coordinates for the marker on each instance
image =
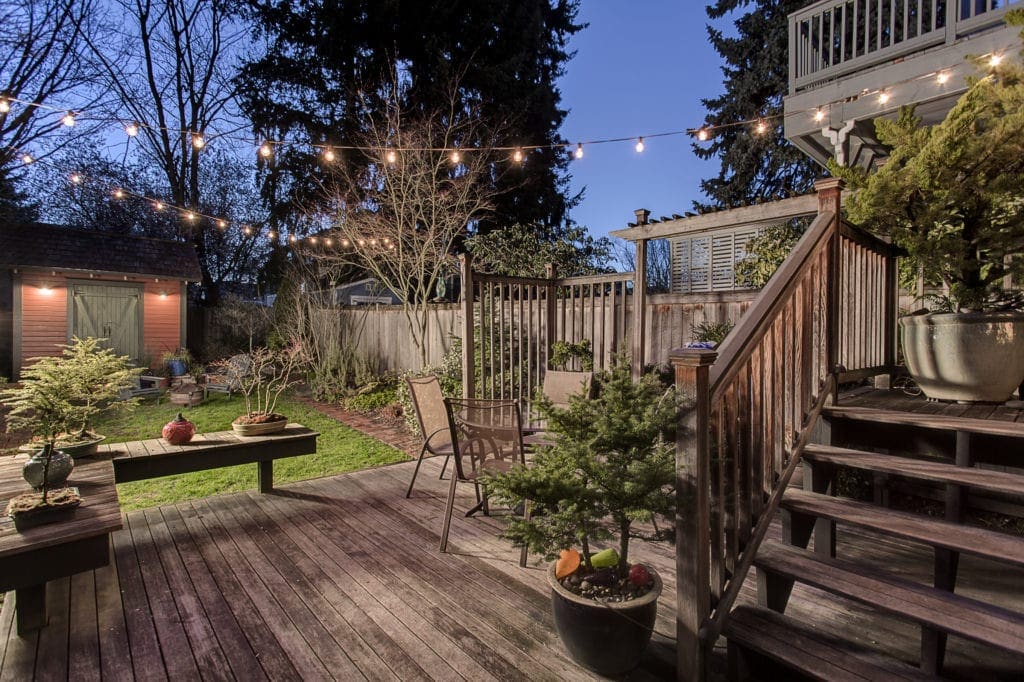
(557, 387)
(144, 387)
(428, 401)
(487, 438)
(230, 380)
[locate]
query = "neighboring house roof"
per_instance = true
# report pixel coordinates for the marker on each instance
(38, 245)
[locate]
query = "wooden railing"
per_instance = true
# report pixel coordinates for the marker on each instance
(509, 324)
(756, 403)
(834, 38)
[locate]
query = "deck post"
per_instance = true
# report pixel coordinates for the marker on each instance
(639, 307)
(550, 313)
(693, 542)
(830, 191)
(468, 348)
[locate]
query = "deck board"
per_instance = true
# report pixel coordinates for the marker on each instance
(340, 577)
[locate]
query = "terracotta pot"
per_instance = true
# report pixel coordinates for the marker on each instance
(179, 430)
(260, 429)
(966, 357)
(607, 638)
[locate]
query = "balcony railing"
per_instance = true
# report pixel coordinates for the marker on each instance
(835, 38)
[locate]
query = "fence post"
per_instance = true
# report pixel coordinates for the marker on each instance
(639, 307)
(549, 313)
(468, 347)
(693, 541)
(830, 191)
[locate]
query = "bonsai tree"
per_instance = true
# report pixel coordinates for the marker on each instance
(611, 464)
(269, 375)
(97, 376)
(952, 194)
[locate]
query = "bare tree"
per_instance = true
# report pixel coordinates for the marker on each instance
(659, 262)
(43, 64)
(400, 217)
(168, 64)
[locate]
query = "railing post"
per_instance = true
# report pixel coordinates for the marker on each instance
(693, 541)
(639, 307)
(468, 346)
(830, 192)
(952, 17)
(550, 309)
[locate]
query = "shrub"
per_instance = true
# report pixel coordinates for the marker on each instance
(449, 373)
(714, 332)
(766, 252)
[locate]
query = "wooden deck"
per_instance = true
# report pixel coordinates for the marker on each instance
(898, 400)
(340, 578)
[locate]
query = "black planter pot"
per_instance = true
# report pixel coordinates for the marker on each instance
(608, 639)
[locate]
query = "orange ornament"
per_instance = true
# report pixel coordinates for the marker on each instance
(568, 562)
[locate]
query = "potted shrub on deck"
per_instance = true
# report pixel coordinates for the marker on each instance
(268, 376)
(611, 464)
(952, 195)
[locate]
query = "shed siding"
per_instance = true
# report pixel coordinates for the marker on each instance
(161, 320)
(44, 315)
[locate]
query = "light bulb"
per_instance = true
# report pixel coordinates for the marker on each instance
(392, 157)
(639, 145)
(942, 77)
(517, 155)
(312, 240)
(819, 115)
(456, 156)
(68, 119)
(198, 141)
(76, 179)
(27, 159)
(119, 193)
(158, 205)
(270, 234)
(344, 242)
(292, 238)
(579, 150)
(995, 60)
(328, 154)
(266, 150)
(703, 134)
(328, 241)
(883, 97)
(221, 224)
(761, 128)
(189, 215)
(362, 242)
(5, 105)
(132, 129)
(373, 242)
(247, 230)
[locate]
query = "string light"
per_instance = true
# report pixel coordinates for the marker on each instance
(517, 155)
(248, 231)
(942, 77)
(639, 145)
(883, 97)
(292, 238)
(391, 157)
(328, 241)
(819, 115)
(27, 158)
(118, 193)
(158, 205)
(761, 128)
(189, 215)
(132, 129)
(456, 157)
(344, 243)
(198, 141)
(579, 150)
(266, 150)
(76, 179)
(703, 134)
(312, 240)
(271, 234)
(68, 119)
(328, 154)
(995, 59)
(221, 224)
(5, 105)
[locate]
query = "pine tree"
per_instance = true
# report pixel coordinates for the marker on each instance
(753, 166)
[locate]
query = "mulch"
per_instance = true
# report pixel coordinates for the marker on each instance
(383, 425)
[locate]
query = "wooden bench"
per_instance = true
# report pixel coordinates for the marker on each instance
(143, 459)
(31, 558)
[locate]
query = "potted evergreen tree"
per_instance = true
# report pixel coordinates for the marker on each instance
(611, 464)
(952, 196)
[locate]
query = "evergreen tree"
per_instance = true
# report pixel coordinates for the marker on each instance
(754, 166)
(329, 64)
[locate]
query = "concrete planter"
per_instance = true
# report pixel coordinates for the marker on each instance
(965, 357)
(605, 638)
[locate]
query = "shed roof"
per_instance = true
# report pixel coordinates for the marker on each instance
(38, 245)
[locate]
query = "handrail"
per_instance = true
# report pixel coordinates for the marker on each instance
(739, 344)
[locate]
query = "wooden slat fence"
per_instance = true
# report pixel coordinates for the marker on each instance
(756, 404)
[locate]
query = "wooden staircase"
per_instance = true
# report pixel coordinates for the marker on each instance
(756, 635)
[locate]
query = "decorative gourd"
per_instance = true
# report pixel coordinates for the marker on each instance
(179, 430)
(568, 562)
(606, 558)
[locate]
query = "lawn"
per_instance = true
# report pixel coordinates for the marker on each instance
(339, 449)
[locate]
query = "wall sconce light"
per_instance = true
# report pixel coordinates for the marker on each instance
(163, 294)
(45, 289)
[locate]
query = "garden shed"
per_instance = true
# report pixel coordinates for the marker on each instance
(57, 282)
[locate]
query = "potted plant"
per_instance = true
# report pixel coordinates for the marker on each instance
(178, 363)
(952, 196)
(610, 464)
(42, 404)
(269, 374)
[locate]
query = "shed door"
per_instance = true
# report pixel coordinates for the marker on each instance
(109, 312)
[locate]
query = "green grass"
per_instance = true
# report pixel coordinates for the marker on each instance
(339, 449)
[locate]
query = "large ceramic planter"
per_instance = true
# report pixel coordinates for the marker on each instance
(965, 357)
(607, 638)
(261, 428)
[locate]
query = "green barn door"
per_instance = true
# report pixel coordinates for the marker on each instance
(109, 312)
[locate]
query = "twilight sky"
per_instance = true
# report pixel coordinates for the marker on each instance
(640, 68)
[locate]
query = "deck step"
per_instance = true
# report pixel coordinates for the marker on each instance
(929, 531)
(929, 421)
(808, 651)
(922, 469)
(887, 593)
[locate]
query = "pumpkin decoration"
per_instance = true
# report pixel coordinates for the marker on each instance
(179, 430)
(568, 562)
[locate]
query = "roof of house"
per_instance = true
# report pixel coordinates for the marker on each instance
(38, 245)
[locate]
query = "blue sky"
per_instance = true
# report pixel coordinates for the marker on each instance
(640, 67)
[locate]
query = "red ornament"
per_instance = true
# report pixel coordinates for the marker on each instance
(179, 430)
(639, 575)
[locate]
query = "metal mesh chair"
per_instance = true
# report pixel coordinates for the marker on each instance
(558, 386)
(487, 438)
(432, 416)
